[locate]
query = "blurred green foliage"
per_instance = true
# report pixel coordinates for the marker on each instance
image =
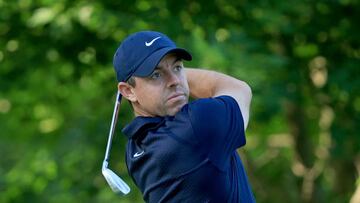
(57, 88)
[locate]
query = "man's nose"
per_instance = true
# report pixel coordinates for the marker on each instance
(173, 79)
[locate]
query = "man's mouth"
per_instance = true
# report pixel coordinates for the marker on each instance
(176, 96)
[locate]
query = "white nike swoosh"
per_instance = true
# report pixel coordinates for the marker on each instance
(151, 42)
(137, 154)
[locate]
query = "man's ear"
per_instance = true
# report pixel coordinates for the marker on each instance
(127, 91)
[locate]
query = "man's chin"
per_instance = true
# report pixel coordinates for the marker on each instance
(174, 110)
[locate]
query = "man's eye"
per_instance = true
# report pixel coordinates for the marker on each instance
(155, 75)
(177, 68)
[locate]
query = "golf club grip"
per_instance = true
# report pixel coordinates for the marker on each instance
(113, 125)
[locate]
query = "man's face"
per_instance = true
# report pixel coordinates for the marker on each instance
(165, 91)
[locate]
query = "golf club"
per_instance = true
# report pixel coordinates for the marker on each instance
(115, 182)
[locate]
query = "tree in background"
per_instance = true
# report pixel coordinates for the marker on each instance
(57, 88)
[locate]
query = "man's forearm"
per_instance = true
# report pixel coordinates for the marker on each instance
(208, 83)
(201, 82)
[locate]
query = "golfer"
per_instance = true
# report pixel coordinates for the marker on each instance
(181, 151)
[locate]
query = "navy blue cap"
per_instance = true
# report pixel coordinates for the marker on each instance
(140, 53)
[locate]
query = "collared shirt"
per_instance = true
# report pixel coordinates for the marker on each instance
(190, 157)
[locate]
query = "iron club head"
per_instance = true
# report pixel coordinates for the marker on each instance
(114, 181)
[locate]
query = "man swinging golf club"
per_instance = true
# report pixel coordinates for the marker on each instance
(179, 151)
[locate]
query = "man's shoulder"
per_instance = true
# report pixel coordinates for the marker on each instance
(222, 98)
(206, 107)
(205, 114)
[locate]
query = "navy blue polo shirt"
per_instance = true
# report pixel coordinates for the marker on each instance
(190, 157)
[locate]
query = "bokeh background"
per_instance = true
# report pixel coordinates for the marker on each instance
(57, 89)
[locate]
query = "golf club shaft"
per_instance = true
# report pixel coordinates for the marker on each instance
(113, 125)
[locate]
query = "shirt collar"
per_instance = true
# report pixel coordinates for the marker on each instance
(141, 124)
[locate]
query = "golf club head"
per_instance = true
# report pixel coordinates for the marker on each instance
(115, 182)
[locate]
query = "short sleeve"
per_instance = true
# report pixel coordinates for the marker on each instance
(218, 126)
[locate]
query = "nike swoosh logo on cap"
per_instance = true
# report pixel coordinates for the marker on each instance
(137, 154)
(151, 42)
